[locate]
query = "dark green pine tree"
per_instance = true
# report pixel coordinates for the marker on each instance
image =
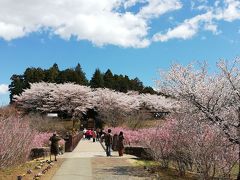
(148, 90)
(97, 79)
(123, 83)
(136, 85)
(67, 75)
(17, 85)
(108, 79)
(80, 75)
(116, 82)
(33, 75)
(52, 74)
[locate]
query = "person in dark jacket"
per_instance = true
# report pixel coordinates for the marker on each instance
(120, 145)
(108, 142)
(54, 145)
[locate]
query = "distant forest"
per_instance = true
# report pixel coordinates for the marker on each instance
(75, 75)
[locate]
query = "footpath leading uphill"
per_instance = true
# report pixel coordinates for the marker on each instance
(88, 161)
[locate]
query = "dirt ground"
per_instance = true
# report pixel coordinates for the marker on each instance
(13, 172)
(131, 169)
(105, 168)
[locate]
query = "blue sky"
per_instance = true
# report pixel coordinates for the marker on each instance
(132, 37)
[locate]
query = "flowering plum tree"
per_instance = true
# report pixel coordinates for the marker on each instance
(214, 98)
(191, 145)
(15, 140)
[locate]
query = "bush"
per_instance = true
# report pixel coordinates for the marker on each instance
(188, 145)
(18, 137)
(15, 140)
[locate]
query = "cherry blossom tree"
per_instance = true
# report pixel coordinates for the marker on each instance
(74, 99)
(214, 98)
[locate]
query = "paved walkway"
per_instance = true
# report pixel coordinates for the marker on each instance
(77, 165)
(88, 161)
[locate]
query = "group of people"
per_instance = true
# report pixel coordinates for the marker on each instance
(94, 134)
(97, 135)
(108, 138)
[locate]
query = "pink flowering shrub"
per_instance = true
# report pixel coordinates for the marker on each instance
(15, 140)
(41, 139)
(192, 146)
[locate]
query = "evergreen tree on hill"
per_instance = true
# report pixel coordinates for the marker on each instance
(123, 83)
(148, 90)
(97, 80)
(136, 85)
(52, 73)
(108, 79)
(80, 78)
(17, 85)
(67, 75)
(32, 75)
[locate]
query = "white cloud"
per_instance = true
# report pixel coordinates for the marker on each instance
(205, 21)
(98, 21)
(230, 12)
(210, 26)
(113, 22)
(11, 31)
(3, 88)
(185, 30)
(156, 8)
(216, 4)
(130, 3)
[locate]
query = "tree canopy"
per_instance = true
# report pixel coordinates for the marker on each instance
(121, 83)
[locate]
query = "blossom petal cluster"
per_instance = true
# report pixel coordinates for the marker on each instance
(75, 99)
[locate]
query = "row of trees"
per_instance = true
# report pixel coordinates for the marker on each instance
(73, 100)
(75, 75)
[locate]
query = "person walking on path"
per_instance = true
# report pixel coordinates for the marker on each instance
(54, 145)
(94, 135)
(108, 142)
(98, 134)
(84, 133)
(120, 145)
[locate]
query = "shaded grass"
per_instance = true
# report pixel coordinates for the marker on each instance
(162, 173)
(171, 173)
(234, 171)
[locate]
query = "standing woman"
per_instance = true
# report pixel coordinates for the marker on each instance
(54, 145)
(120, 144)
